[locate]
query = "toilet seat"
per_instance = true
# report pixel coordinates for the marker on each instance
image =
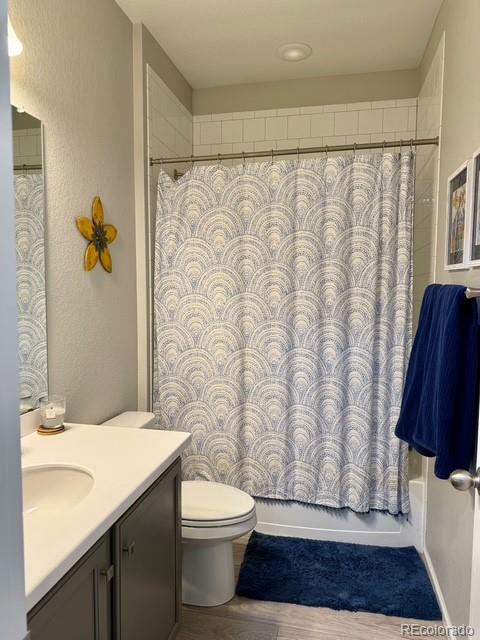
(212, 504)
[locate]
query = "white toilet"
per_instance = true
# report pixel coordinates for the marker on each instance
(213, 515)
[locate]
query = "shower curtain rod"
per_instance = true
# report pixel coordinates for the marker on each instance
(27, 167)
(414, 142)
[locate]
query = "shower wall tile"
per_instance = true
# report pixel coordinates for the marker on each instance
(334, 108)
(358, 138)
(232, 131)
(254, 130)
(27, 146)
(311, 126)
(406, 102)
(239, 115)
(203, 150)
(395, 119)
(427, 119)
(310, 110)
(323, 124)
(170, 130)
(265, 113)
(238, 147)
(412, 118)
(384, 104)
(210, 132)
(223, 147)
(222, 116)
(358, 106)
(265, 145)
(292, 111)
(346, 123)
(205, 118)
(276, 128)
(292, 143)
(332, 141)
(370, 121)
(299, 126)
(311, 142)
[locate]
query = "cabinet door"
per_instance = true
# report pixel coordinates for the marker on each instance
(79, 606)
(148, 555)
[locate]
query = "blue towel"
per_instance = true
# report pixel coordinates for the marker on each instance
(440, 400)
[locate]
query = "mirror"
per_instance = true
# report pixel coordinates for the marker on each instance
(30, 245)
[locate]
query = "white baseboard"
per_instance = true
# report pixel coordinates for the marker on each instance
(447, 621)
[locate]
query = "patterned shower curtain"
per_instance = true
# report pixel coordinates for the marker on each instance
(283, 304)
(31, 303)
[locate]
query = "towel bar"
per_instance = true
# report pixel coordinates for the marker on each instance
(472, 293)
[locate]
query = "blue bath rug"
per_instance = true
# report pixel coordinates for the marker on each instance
(355, 577)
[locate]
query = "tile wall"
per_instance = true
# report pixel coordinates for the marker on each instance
(27, 146)
(169, 129)
(304, 127)
(429, 117)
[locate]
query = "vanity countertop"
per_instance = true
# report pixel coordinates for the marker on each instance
(124, 463)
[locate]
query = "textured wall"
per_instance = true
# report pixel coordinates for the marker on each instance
(76, 76)
(450, 513)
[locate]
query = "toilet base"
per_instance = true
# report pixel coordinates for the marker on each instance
(208, 578)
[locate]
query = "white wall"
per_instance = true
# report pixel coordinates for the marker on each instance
(12, 590)
(302, 92)
(449, 525)
(75, 75)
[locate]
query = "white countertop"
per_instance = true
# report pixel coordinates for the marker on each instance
(124, 463)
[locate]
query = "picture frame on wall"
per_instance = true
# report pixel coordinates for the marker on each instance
(458, 219)
(474, 231)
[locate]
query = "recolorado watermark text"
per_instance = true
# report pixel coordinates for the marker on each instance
(436, 631)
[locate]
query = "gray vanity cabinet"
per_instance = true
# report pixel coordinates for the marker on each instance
(128, 585)
(147, 543)
(79, 606)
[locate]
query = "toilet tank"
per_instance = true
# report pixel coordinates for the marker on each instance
(133, 419)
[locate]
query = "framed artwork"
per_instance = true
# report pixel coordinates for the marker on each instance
(458, 202)
(474, 232)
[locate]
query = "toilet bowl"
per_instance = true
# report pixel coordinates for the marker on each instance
(213, 515)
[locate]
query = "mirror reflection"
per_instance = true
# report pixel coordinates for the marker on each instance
(30, 246)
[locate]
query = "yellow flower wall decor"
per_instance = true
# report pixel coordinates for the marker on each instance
(99, 235)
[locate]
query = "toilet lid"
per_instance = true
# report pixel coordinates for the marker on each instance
(212, 502)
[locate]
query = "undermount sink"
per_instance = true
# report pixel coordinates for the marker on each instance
(54, 487)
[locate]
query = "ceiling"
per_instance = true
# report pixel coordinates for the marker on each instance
(224, 42)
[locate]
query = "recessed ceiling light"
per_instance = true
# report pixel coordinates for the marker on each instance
(294, 51)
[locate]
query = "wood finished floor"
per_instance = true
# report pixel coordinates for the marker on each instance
(244, 619)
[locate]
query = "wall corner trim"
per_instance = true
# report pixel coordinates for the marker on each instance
(447, 621)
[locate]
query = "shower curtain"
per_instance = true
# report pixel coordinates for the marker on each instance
(31, 303)
(282, 326)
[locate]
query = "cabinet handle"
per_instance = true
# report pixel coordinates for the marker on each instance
(129, 549)
(108, 573)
